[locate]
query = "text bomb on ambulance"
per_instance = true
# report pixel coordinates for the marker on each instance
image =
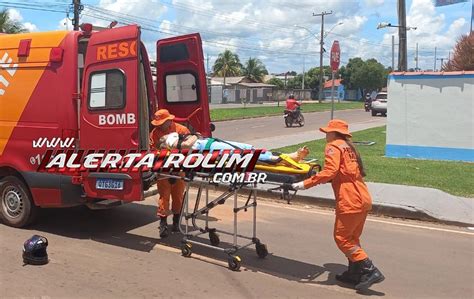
(159, 161)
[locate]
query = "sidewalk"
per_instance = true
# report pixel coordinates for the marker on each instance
(401, 201)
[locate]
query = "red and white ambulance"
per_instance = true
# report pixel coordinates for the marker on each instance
(87, 90)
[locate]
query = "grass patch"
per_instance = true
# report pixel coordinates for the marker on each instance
(452, 177)
(249, 112)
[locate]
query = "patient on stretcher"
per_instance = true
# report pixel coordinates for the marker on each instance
(199, 143)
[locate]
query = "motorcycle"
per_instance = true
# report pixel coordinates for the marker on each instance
(294, 117)
(367, 105)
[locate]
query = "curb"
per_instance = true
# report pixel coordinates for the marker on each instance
(378, 209)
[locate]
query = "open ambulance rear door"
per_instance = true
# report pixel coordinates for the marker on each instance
(112, 109)
(181, 85)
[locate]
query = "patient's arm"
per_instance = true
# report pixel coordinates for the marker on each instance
(189, 141)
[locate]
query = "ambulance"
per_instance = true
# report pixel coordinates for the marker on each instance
(88, 90)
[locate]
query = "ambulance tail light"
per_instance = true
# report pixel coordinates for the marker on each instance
(76, 180)
(56, 54)
(24, 48)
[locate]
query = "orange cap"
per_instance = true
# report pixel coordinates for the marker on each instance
(337, 125)
(161, 116)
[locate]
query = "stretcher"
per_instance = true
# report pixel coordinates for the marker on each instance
(286, 172)
(281, 174)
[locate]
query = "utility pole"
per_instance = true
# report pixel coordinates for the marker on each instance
(416, 57)
(434, 69)
(402, 35)
(77, 10)
(441, 59)
(302, 83)
(393, 53)
(208, 78)
(321, 50)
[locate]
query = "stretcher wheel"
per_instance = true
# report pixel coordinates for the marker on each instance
(234, 263)
(261, 249)
(214, 238)
(186, 250)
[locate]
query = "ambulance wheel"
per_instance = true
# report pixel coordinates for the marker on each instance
(17, 207)
(234, 263)
(261, 249)
(214, 238)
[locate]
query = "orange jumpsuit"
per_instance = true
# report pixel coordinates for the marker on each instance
(353, 200)
(165, 188)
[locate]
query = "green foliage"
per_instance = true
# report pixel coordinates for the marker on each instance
(227, 64)
(277, 82)
(413, 172)
(7, 25)
(366, 75)
(254, 69)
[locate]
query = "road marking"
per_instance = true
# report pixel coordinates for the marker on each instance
(373, 220)
(259, 126)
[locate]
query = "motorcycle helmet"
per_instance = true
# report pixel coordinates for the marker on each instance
(34, 251)
(292, 96)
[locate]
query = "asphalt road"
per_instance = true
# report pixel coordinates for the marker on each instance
(253, 129)
(117, 253)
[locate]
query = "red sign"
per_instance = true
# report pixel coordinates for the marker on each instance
(335, 56)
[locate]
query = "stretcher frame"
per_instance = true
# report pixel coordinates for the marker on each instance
(192, 230)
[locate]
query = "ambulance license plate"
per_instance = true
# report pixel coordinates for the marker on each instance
(109, 184)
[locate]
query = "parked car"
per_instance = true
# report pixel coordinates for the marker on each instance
(379, 104)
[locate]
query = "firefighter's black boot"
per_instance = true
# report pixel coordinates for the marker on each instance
(352, 275)
(163, 227)
(369, 275)
(175, 223)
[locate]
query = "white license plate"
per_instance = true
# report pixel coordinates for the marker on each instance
(109, 184)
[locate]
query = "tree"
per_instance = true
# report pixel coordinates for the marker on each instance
(369, 76)
(463, 59)
(346, 72)
(277, 82)
(227, 64)
(254, 69)
(7, 25)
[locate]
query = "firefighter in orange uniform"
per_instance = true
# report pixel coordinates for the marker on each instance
(343, 168)
(163, 121)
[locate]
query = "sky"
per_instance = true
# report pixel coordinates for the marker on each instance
(270, 30)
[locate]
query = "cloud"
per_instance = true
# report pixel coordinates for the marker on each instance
(15, 15)
(30, 27)
(374, 3)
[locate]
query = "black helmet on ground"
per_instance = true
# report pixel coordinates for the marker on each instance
(34, 251)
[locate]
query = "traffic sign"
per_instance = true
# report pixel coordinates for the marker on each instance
(335, 56)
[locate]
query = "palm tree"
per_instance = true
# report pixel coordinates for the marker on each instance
(255, 69)
(227, 64)
(7, 25)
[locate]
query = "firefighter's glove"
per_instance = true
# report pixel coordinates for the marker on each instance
(298, 186)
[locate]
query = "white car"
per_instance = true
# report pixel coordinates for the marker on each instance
(379, 104)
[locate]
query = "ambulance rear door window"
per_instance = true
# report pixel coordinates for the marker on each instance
(107, 90)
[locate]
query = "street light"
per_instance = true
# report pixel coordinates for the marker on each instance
(385, 24)
(402, 42)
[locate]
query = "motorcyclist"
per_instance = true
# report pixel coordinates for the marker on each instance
(293, 105)
(368, 102)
